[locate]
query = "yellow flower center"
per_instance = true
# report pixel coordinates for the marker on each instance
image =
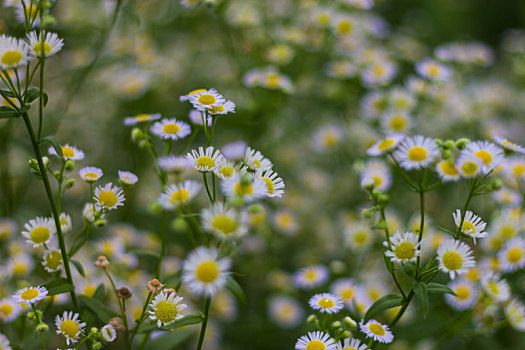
(171, 128)
(519, 170)
(330, 139)
(68, 152)
(90, 290)
(417, 154)
(315, 345)
(165, 311)
(469, 227)
(29, 294)
(485, 156)
(6, 309)
(40, 234)
(452, 260)
(196, 91)
(472, 274)
(226, 171)
(269, 185)
(377, 329)
(462, 292)
(217, 109)
(448, 168)
(207, 99)
(508, 231)
(53, 260)
(142, 117)
(11, 58)
(514, 255)
(493, 287)
(378, 70)
(310, 275)
(433, 70)
(347, 294)
(344, 27)
(469, 168)
(377, 181)
(224, 224)
(242, 190)
(20, 269)
(38, 48)
(273, 80)
(207, 271)
(107, 199)
(180, 195)
(385, 144)
(205, 162)
(405, 250)
(323, 20)
(69, 328)
(91, 176)
(326, 303)
(398, 123)
(360, 237)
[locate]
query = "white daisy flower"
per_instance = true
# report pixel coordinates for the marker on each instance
(8, 227)
(127, 178)
(447, 171)
(285, 311)
(254, 160)
(205, 160)
(108, 333)
(141, 118)
(311, 276)
(69, 152)
(204, 272)
(490, 154)
(495, 287)
(274, 184)
(468, 165)
(508, 145)
(379, 332)
(90, 213)
(380, 72)
(109, 197)
(52, 260)
(433, 70)
(376, 173)
(351, 344)
(14, 52)
(226, 169)
(346, 289)
(174, 164)
(401, 99)
(246, 187)
(9, 310)
(4, 343)
(90, 174)
(396, 122)
(508, 197)
(315, 340)
(206, 99)
(327, 137)
(285, 222)
(39, 231)
(455, 257)
(227, 107)
(467, 294)
(166, 307)
(416, 152)
(326, 302)
(358, 236)
(19, 265)
(190, 94)
(473, 226)
(30, 295)
(223, 221)
(52, 44)
(405, 247)
(514, 168)
(388, 144)
(512, 256)
(178, 194)
(30, 11)
(171, 129)
(515, 314)
(70, 326)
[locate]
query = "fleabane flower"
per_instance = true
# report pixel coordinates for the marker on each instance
(174, 164)
(515, 314)
(224, 222)
(30, 295)
(274, 184)
(467, 294)
(351, 344)
(141, 118)
(468, 165)
(508, 145)
(416, 152)
(4, 343)
(311, 276)
(170, 129)
(166, 308)
(109, 197)
(108, 333)
(52, 260)
(69, 152)
(254, 160)
(127, 178)
(473, 226)
(433, 70)
(39, 231)
(52, 44)
(512, 256)
(9, 310)
(326, 302)
(455, 257)
(346, 289)
(404, 247)
(190, 94)
(204, 273)
(315, 341)
(285, 311)
(447, 171)
(379, 332)
(225, 108)
(205, 160)
(495, 287)
(490, 154)
(90, 174)
(206, 100)
(388, 144)
(377, 174)
(70, 326)
(14, 52)
(177, 194)
(226, 169)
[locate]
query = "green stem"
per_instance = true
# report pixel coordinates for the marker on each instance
(122, 309)
(204, 323)
(142, 317)
(38, 320)
(42, 64)
(164, 242)
(472, 190)
(206, 186)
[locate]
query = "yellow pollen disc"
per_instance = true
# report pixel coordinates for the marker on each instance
(519, 170)
(377, 329)
(323, 20)
(207, 271)
(360, 237)
(452, 260)
(224, 224)
(449, 169)
(433, 70)
(269, 185)
(469, 168)
(508, 231)
(69, 328)
(378, 70)
(171, 128)
(493, 287)
(417, 154)
(196, 91)
(377, 181)
(256, 164)
(53, 260)
(29, 294)
(217, 109)
(472, 274)
(91, 176)
(11, 58)
(344, 27)
(180, 195)
(514, 255)
(165, 311)
(226, 171)
(207, 99)
(38, 48)
(315, 345)
(462, 292)
(485, 156)
(273, 80)
(90, 290)
(68, 152)
(32, 11)
(310, 275)
(349, 349)
(385, 144)
(398, 123)
(405, 250)
(241, 189)
(20, 269)
(107, 199)
(40, 234)
(330, 140)
(142, 117)
(468, 227)
(6, 309)
(205, 162)
(326, 303)
(347, 294)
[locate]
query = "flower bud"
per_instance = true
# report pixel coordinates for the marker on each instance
(336, 324)
(179, 225)
(143, 144)
(42, 327)
(311, 319)
(97, 345)
(100, 222)
(94, 330)
(446, 154)
(347, 334)
(137, 134)
(462, 143)
(30, 315)
(70, 165)
(70, 182)
(154, 286)
(102, 261)
(383, 198)
(349, 322)
(449, 144)
(155, 208)
(124, 293)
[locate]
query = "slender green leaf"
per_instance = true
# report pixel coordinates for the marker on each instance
(185, 321)
(438, 288)
(453, 234)
(421, 291)
(32, 94)
(53, 141)
(236, 289)
(387, 302)
(79, 267)
(8, 112)
(101, 310)
(7, 93)
(58, 286)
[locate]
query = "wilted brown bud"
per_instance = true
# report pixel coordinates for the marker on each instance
(124, 293)
(116, 322)
(102, 262)
(154, 286)
(169, 291)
